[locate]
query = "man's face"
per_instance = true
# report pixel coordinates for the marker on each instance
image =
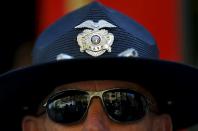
(96, 118)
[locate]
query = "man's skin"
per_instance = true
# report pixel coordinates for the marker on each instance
(96, 119)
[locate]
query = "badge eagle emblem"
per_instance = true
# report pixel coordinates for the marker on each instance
(94, 39)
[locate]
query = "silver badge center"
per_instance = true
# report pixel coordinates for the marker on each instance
(95, 40)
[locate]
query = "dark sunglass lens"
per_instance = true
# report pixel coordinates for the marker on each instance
(125, 105)
(68, 106)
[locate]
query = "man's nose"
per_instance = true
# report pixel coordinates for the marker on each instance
(96, 119)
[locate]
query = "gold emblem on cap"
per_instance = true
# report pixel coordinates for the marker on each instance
(95, 40)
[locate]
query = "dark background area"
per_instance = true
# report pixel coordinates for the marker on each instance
(18, 26)
(190, 18)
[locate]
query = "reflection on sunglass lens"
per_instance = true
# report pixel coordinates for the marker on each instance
(68, 107)
(124, 105)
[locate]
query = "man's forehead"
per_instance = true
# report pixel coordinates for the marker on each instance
(97, 85)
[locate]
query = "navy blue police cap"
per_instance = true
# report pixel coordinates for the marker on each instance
(98, 43)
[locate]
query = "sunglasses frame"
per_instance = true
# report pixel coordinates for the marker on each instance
(150, 105)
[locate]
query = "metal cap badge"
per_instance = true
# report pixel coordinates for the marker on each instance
(95, 40)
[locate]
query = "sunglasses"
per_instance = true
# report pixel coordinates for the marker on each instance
(121, 105)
